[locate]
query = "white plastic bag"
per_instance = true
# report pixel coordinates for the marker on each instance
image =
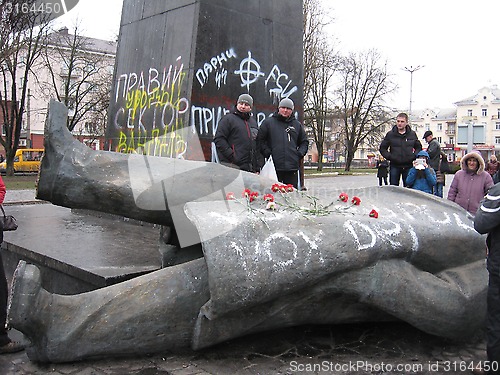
(268, 170)
(215, 157)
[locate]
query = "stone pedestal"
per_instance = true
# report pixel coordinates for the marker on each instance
(183, 63)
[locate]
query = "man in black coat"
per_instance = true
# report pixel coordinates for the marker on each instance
(434, 151)
(487, 220)
(400, 146)
(235, 137)
(283, 137)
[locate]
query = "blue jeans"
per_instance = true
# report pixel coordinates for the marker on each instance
(438, 190)
(395, 173)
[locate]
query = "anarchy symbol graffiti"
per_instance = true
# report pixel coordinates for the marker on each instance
(249, 71)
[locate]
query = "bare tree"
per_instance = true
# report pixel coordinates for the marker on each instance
(22, 39)
(319, 68)
(365, 84)
(96, 119)
(80, 77)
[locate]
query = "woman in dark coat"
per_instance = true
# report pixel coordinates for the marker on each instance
(382, 170)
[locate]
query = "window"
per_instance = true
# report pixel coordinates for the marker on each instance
(497, 140)
(497, 126)
(478, 135)
(452, 140)
(484, 112)
(90, 127)
(440, 127)
(427, 126)
(469, 112)
(89, 68)
(439, 139)
(498, 113)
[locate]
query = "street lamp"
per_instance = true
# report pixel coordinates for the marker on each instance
(412, 69)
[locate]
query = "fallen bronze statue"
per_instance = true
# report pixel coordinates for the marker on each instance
(280, 258)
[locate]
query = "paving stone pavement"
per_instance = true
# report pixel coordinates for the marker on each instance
(367, 348)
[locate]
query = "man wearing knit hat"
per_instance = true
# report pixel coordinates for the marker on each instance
(235, 137)
(283, 137)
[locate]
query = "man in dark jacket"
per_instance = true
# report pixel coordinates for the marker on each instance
(487, 220)
(400, 146)
(283, 137)
(434, 151)
(235, 137)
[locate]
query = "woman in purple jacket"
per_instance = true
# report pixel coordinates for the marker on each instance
(471, 183)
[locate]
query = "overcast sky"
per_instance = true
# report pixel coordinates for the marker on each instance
(455, 42)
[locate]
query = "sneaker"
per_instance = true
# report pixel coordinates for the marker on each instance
(11, 347)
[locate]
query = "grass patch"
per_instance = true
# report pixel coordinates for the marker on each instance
(20, 182)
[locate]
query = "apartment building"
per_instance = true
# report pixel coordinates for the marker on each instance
(442, 123)
(473, 125)
(478, 122)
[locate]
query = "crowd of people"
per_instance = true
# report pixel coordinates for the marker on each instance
(240, 143)
(401, 153)
(474, 187)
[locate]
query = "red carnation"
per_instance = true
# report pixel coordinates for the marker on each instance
(344, 197)
(230, 196)
(268, 197)
(253, 196)
(356, 201)
(373, 213)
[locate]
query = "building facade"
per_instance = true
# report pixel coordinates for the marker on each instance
(51, 70)
(478, 122)
(473, 125)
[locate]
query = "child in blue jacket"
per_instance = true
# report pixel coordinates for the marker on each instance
(421, 176)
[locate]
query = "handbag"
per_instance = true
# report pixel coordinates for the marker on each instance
(268, 170)
(7, 222)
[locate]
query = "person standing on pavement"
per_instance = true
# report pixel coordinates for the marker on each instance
(282, 136)
(6, 344)
(400, 146)
(471, 183)
(434, 151)
(382, 170)
(487, 220)
(235, 138)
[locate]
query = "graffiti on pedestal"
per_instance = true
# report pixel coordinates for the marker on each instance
(150, 106)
